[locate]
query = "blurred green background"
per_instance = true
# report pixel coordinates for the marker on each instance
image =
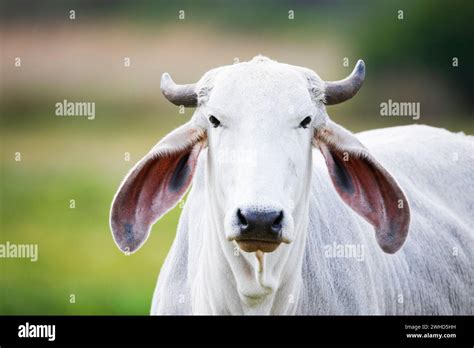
(64, 158)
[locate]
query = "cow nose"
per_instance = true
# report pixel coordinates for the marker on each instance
(260, 224)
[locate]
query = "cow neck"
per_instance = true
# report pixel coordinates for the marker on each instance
(235, 282)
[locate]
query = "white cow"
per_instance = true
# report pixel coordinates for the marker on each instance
(284, 203)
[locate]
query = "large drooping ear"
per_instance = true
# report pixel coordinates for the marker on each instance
(154, 186)
(363, 184)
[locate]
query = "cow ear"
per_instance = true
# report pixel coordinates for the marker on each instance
(154, 186)
(363, 184)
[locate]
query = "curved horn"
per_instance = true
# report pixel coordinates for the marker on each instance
(178, 94)
(339, 91)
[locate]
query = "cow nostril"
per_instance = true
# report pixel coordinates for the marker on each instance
(276, 225)
(242, 220)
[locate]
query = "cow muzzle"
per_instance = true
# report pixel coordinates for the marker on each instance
(259, 229)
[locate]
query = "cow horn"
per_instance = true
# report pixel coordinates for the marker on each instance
(178, 94)
(339, 91)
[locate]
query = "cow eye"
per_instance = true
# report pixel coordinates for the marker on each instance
(305, 123)
(214, 121)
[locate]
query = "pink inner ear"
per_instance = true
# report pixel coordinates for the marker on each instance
(371, 191)
(150, 190)
(162, 184)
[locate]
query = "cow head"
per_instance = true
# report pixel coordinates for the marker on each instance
(259, 121)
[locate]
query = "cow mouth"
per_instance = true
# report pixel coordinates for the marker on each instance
(253, 245)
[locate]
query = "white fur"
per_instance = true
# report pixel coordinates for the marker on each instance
(260, 105)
